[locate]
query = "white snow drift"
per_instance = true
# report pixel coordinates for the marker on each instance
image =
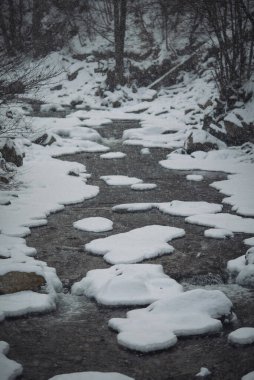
(92, 376)
(120, 180)
(242, 336)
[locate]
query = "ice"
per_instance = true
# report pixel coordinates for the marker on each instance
(135, 245)
(194, 177)
(178, 208)
(22, 303)
(120, 180)
(9, 369)
(218, 233)
(241, 336)
(92, 376)
(248, 376)
(143, 186)
(156, 327)
(229, 222)
(111, 155)
(94, 224)
(127, 284)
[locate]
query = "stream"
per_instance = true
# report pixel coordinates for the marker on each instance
(75, 337)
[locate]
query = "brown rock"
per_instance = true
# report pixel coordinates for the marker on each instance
(13, 282)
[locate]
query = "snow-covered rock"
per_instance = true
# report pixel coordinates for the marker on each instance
(135, 245)
(127, 284)
(157, 327)
(10, 151)
(94, 224)
(202, 140)
(9, 368)
(242, 336)
(92, 376)
(242, 269)
(120, 180)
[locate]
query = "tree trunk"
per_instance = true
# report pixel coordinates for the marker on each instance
(119, 34)
(36, 27)
(5, 33)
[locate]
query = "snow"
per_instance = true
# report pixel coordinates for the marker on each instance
(127, 284)
(236, 160)
(111, 155)
(21, 303)
(156, 327)
(203, 372)
(194, 177)
(94, 224)
(242, 268)
(242, 336)
(248, 376)
(178, 208)
(143, 186)
(145, 151)
(120, 180)
(249, 241)
(9, 368)
(135, 245)
(218, 233)
(11, 246)
(230, 222)
(92, 376)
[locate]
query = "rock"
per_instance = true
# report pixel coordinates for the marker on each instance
(44, 139)
(206, 103)
(202, 140)
(57, 87)
(13, 282)
(236, 134)
(116, 104)
(10, 152)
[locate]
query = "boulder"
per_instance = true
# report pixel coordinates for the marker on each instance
(44, 139)
(238, 133)
(13, 282)
(202, 140)
(10, 152)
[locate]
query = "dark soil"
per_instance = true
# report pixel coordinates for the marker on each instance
(75, 337)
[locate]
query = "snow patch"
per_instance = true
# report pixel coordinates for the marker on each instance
(242, 336)
(135, 245)
(9, 368)
(94, 224)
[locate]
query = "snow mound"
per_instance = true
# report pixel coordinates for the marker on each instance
(194, 177)
(9, 368)
(178, 208)
(242, 268)
(11, 246)
(135, 245)
(218, 233)
(244, 335)
(94, 224)
(127, 284)
(203, 372)
(143, 186)
(111, 155)
(249, 241)
(156, 327)
(229, 222)
(21, 303)
(120, 180)
(249, 376)
(92, 376)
